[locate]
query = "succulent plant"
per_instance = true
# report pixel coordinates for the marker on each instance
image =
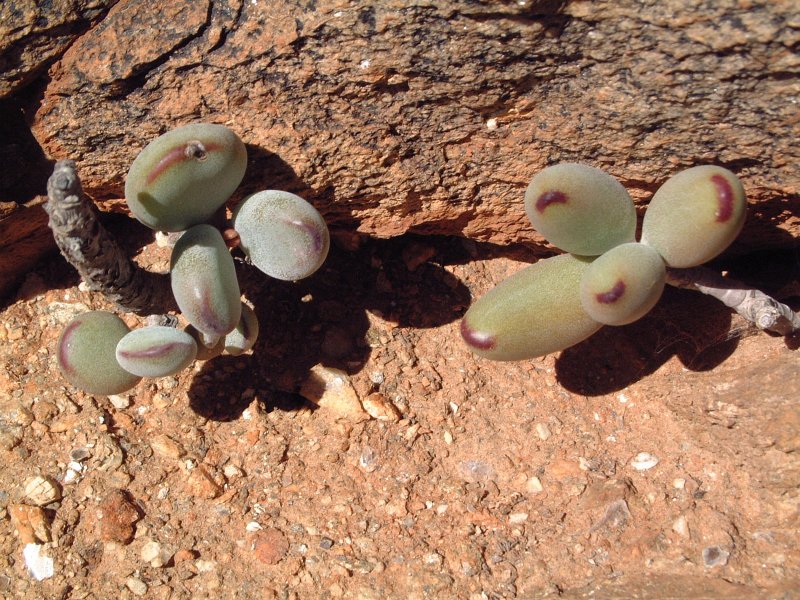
(580, 209)
(181, 178)
(86, 354)
(156, 351)
(695, 215)
(204, 281)
(282, 234)
(177, 183)
(562, 300)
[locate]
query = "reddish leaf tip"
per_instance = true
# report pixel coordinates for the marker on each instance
(612, 295)
(477, 339)
(724, 198)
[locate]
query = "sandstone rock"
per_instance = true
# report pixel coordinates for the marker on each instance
(431, 119)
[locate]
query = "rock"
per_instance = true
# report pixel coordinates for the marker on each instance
(269, 546)
(165, 446)
(201, 484)
(39, 565)
(116, 517)
(136, 585)
(30, 522)
(332, 390)
(381, 408)
(644, 461)
(715, 556)
(155, 554)
(41, 491)
(461, 172)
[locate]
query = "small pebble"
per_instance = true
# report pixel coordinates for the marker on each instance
(715, 556)
(534, 486)
(115, 517)
(120, 401)
(380, 407)
(326, 543)
(681, 526)
(137, 586)
(41, 567)
(543, 431)
(644, 461)
(41, 491)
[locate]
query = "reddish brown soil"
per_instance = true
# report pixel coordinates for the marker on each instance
(496, 480)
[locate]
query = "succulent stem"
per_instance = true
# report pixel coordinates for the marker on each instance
(94, 253)
(755, 306)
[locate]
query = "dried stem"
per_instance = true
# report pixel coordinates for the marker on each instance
(755, 306)
(99, 260)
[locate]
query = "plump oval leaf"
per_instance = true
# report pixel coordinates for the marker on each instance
(534, 312)
(156, 351)
(181, 178)
(244, 335)
(283, 235)
(580, 209)
(204, 281)
(86, 356)
(623, 284)
(695, 215)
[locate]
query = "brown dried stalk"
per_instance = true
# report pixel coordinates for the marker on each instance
(97, 257)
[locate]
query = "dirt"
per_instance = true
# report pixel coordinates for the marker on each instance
(654, 460)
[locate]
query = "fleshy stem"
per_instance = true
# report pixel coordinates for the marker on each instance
(755, 306)
(94, 253)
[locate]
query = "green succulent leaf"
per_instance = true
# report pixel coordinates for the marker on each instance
(183, 177)
(695, 215)
(534, 312)
(580, 209)
(86, 354)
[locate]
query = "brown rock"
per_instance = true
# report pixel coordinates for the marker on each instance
(116, 517)
(201, 484)
(270, 546)
(30, 522)
(350, 120)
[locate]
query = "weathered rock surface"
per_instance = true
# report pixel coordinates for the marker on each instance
(431, 117)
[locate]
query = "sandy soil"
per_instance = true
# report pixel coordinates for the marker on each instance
(654, 460)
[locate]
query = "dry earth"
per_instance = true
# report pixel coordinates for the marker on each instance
(654, 460)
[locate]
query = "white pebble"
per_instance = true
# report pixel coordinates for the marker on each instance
(681, 526)
(137, 586)
(644, 461)
(41, 491)
(41, 567)
(543, 431)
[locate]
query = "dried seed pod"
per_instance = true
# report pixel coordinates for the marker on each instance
(580, 209)
(181, 178)
(695, 215)
(283, 235)
(534, 312)
(623, 284)
(156, 351)
(204, 281)
(86, 354)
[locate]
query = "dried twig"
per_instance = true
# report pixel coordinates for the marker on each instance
(99, 260)
(755, 306)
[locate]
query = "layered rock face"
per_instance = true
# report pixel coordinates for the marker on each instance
(426, 117)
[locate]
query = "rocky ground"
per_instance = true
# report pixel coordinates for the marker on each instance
(654, 460)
